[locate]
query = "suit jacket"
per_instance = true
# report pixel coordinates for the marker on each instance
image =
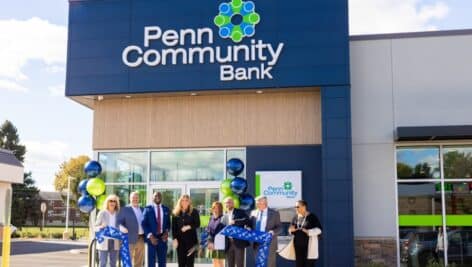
(189, 238)
(149, 223)
(128, 219)
(273, 223)
(241, 219)
(103, 217)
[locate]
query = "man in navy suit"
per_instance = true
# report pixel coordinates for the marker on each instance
(234, 247)
(156, 225)
(129, 219)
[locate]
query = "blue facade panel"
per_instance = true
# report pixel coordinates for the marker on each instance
(314, 35)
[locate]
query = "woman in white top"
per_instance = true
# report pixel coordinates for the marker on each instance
(107, 217)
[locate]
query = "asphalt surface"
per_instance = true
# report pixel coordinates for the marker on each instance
(48, 254)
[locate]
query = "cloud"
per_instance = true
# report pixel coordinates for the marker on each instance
(56, 90)
(56, 69)
(11, 86)
(387, 16)
(43, 160)
(32, 39)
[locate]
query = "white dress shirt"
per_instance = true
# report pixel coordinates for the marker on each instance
(264, 219)
(139, 216)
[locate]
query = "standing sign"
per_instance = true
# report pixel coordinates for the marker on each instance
(43, 211)
(282, 188)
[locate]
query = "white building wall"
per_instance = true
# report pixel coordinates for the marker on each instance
(417, 81)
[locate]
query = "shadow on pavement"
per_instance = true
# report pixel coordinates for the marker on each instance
(31, 247)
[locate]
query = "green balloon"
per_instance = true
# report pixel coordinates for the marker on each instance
(100, 201)
(95, 187)
(225, 187)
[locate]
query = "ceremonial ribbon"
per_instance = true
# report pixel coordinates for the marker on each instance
(263, 238)
(113, 233)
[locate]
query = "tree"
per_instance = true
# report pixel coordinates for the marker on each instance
(25, 197)
(10, 140)
(74, 168)
(25, 202)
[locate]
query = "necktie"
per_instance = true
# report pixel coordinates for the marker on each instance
(159, 219)
(259, 222)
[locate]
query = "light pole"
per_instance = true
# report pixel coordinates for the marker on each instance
(65, 235)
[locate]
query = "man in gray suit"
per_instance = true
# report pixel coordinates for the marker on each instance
(129, 219)
(265, 219)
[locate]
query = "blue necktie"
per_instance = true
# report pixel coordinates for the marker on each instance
(259, 222)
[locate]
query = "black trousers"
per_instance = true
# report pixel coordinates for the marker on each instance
(301, 254)
(234, 256)
(182, 258)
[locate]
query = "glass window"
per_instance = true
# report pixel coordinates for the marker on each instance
(457, 162)
(187, 165)
(459, 246)
(418, 162)
(124, 167)
(123, 191)
(419, 198)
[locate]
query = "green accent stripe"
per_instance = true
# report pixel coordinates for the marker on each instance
(459, 220)
(258, 185)
(420, 220)
(434, 220)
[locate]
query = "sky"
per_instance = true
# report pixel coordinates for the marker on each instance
(33, 41)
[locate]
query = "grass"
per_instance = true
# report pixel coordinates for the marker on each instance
(50, 232)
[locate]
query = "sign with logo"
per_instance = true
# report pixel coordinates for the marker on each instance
(282, 188)
(127, 46)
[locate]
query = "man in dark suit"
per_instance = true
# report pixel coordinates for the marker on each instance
(129, 220)
(265, 219)
(156, 225)
(234, 247)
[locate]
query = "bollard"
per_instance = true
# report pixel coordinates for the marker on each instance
(6, 247)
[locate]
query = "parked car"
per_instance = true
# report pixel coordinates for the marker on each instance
(418, 248)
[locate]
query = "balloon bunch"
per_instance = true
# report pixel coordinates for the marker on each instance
(92, 188)
(236, 187)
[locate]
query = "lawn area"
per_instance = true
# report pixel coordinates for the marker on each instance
(50, 232)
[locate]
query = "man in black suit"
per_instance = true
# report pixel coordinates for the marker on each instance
(234, 247)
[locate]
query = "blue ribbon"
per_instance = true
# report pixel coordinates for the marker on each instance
(263, 238)
(111, 232)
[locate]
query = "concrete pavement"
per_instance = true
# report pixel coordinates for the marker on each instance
(26, 253)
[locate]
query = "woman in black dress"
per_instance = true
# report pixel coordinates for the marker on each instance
(303, 228)
(185, 222)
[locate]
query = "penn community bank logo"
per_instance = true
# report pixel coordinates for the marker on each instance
(237, 19)
(286, 190)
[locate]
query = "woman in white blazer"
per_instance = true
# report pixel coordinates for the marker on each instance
(107, 217)
(305, 228)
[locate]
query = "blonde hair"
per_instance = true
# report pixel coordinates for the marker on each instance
(218, 205)
(112, 197)
(178, 206)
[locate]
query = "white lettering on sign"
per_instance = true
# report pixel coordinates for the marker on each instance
(199, 50)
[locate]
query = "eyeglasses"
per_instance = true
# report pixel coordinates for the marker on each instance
(112, 200)
(297, 207)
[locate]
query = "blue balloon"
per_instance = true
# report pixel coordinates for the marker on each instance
(238, 185)
(86, 204)
(82, 188)
(92, 169)
(235, 166)
(246, 202)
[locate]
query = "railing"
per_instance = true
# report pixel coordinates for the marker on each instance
(93, 260)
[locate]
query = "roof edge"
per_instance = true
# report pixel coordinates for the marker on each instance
(403, 35)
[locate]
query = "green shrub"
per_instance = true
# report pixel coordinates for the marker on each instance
(56, 235)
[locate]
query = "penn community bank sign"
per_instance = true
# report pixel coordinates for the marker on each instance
(236, 21)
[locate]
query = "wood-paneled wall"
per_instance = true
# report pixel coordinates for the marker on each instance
(282, 118)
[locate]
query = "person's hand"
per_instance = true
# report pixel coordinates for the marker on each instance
(231, 222)
(154, 240)
(305, 231)
(165, 236)
(185, 228)
(271, 232)
(292, 229)
(123, 229)
(211, 246)
(175, 243)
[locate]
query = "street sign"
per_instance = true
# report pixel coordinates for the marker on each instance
(43, 207)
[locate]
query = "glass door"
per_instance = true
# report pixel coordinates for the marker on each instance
(202, 194)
